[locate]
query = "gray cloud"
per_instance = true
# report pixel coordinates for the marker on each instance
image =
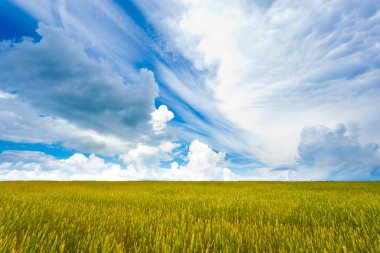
(59, 79)
(336, 154)
(14, 156)
(19, 122)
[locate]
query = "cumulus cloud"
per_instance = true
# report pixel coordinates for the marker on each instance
(335, 154)
(326, 154)
(144, 160)
(52, 91)
(26, 165)
(160, 117)
(323, 154)
(141, 163)
(56, 76)
(204, 164)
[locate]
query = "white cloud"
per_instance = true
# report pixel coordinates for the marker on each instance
(88, 106)
(260, 73)
(324, 154)
(204, 164)
(160, 118)
(141, 163)
(327, 154)
(6, 95)
(123, 45)
(116, 37)
(39, 166)
(278, 67)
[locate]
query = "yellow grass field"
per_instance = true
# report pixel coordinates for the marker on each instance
(189, 217)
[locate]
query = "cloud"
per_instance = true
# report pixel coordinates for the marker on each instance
(201, 163)
(326, 154)
(57, 77)
(323, 154)
(274, 68)
(21, 123)
(121, 42)
(26, 165)
(204, 164)
(141, 163)
(116, 38)
(160, 117)
(54, 92)
(250, 88)
(6, 95)
(336, 154)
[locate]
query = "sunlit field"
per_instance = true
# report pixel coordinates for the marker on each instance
(189, 217)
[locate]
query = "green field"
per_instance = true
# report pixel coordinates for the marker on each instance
(189, 217)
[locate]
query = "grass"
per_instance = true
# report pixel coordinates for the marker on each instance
(189, 217)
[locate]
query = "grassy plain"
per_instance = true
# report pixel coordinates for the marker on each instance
(189, 217)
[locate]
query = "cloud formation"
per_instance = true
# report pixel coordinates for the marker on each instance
(58, 78)
(141, 163)
(201, 163)
(52, 91)
(204, 164)
(277, 66)
(5, 95)
(336, 154)
(27, 165)
(326, 154)
(21, 123)
(160, 118)
(245, 77)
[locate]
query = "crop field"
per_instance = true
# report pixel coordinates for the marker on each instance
(189, 217)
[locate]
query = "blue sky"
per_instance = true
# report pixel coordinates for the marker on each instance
(189, 90)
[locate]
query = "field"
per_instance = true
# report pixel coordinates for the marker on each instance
(189, 217)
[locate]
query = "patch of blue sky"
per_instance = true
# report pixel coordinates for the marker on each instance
(55, 149)
(170, 99)
(108, 159)
(135, 13)
(15, 23)
(375, 174)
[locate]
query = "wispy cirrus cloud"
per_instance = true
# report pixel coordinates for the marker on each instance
(277, 66)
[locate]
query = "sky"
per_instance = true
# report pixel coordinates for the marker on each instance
(189, 90)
